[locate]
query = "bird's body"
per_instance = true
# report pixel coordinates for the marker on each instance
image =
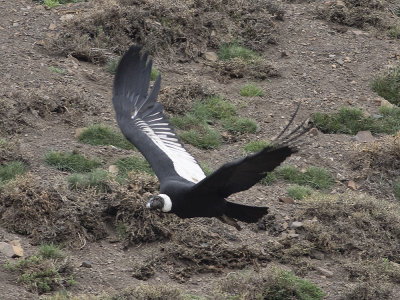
(184, 188)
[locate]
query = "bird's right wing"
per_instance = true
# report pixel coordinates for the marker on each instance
(143, 123)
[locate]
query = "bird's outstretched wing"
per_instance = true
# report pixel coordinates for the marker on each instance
(141, 120)
(242, 174)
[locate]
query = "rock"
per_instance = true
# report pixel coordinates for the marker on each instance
(317, 255)
(52, 26)
(6, 249)
(113, 169)
(287, 200)
(325, 272)
(15, 24)
(293, 235)
(296, 224)
(10, 250)
(364, 137)
(340, 61)
(386, 103)
(284, 54)
(211, 56)
(313, 131)
(377, 116)
(285, 225)
(79, 131)
(86, 264)
(18, 251)
(351, 184)
(340, 4)
(66, 17)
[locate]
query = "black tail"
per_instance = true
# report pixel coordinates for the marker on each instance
(245, 213)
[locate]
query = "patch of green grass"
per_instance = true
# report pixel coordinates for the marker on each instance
(229, 51)
(97, 179)
(387, 85)
(397, 189)
(41, 274)
(51, 251)
(103, 135)
(186, 121)
(204, 137)
(255, 146)
(394, 32)
(206, 168)
(240, 125)
(348, 120)
(51, 3)
(315, 177)
(214, 107)
(70, 162)
(135, 164)
(269, 179)
(352, 120)
(56, 70)
(251, 90)
(289, 286)
(10, 170)
(112, 65)
(299, 191)
(2, 142)
(154, 74)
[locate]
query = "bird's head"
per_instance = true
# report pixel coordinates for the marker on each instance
(161, 202)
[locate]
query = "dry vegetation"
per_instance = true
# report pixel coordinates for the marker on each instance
(354, 233)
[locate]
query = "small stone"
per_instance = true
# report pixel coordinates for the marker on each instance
(334, 66)
(285, 225)
(52, 26)
(332, 55)
(113, 169)
(351, 184)
(386, 103)
(293, 235)
(86, 264)
(340, 61)
(317, 255)
(7, 249)
(364, 137)
(324, 272)
(287, 200)
(284, 54)
(79, 131)
(18, 251)
(314, 131)
(211, 56)
(15, 24)
(377, 116)
(347, 59)
(296, 224)
(340, 4)
(66, 17)
(366, 114)
(328, 3)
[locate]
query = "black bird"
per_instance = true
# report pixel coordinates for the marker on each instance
(184, 188)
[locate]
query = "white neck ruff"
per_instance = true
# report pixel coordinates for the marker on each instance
(167, 203)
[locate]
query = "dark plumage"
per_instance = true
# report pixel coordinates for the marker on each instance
(184, 188)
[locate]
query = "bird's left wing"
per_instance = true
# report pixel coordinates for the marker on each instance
(241, 174)
(143, 123)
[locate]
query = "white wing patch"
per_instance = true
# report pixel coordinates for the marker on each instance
(160, 133)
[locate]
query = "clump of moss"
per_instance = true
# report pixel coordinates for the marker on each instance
(70, 162)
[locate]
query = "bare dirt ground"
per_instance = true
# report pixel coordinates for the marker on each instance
(321, 64)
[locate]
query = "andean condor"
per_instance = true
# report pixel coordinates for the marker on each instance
(184, 188)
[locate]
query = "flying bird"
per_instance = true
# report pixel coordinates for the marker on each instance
(184, 188)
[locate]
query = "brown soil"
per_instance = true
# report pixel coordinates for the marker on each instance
(319, 65)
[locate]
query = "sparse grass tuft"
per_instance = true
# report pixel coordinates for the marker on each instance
(229, 51)
(255, 146)
(276, 284)
(10, 170)
(352, 120)
(56, 70)
(299, 192)
(270, 178)
(214, 107)
(251, 90)
(240, 125)
(315, 177)
(112, 65)
(387, 85)
(103, 135)
(204, 137)
(95, 179)
(51, 3)
(206, 168)
(154, 74)
(70, 162)
(397, 189)
(394, 32)
(51, 251)
(135, 164)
